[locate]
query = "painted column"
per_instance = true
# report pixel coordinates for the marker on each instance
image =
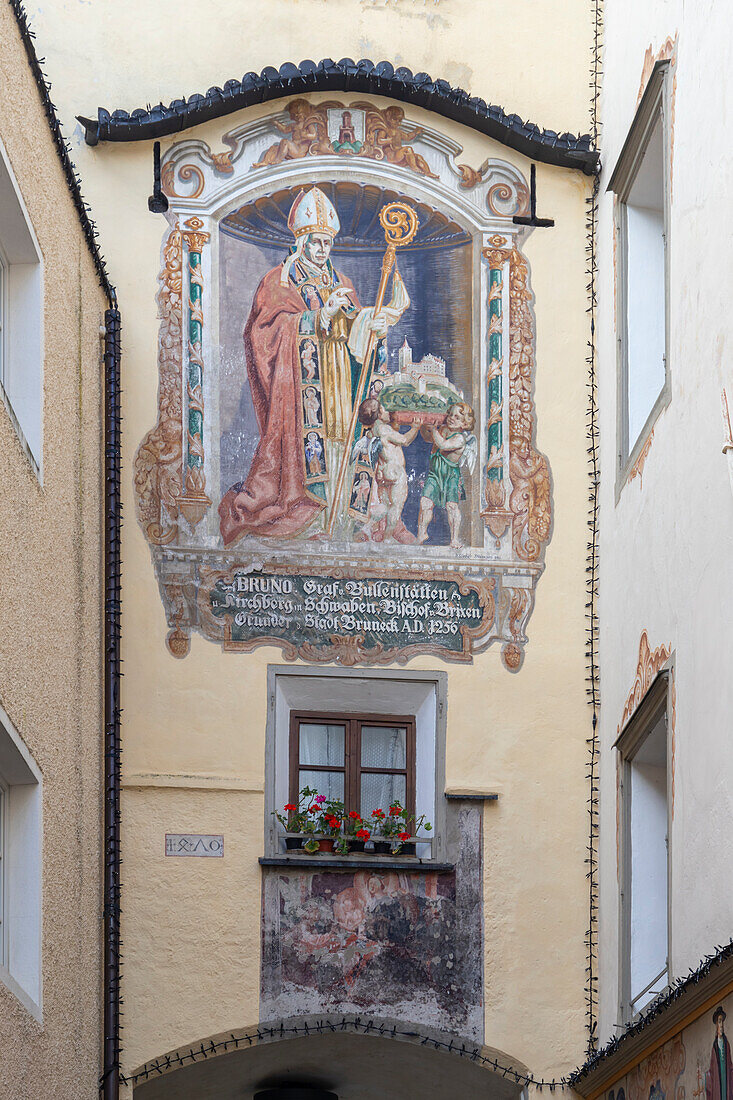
(194, 501)
(494, 513)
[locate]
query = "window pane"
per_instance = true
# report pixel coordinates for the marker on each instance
(648, 793)
(383, 746)
(329, 783)
(321, 744)
(379, 791)
(645, 295)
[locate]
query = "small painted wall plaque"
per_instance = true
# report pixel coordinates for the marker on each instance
(204, 845)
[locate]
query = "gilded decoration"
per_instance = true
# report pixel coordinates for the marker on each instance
(346, 474)
(650, 662)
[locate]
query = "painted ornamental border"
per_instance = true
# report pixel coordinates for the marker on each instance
(175, 479)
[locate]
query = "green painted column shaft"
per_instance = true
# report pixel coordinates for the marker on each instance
(195, 364)
(495, 430)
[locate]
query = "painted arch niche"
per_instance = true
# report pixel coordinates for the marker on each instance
(344, 462)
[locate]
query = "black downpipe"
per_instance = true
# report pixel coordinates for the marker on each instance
(110, 1080)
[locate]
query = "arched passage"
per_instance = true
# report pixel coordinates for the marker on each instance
(357, 1059)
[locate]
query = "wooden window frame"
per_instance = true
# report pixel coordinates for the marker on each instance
(352, 766)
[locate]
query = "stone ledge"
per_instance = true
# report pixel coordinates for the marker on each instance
(359, 863)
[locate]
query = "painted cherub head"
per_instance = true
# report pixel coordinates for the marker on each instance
(461, 417)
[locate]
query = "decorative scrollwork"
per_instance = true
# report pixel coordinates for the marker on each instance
(501, 193)
(186, 172)
(399, 222)
(528, 470)
(157, 467)
(470, 177)
(649, 663)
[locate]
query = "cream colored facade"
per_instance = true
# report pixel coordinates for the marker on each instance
(51, 634)
(194, 730)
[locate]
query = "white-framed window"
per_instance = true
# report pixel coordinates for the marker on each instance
(21, 316)
(347, 696)
(20, 869)
(640, 184)
(643, 759)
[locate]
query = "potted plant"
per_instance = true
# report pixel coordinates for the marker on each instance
(409, 827)
(399, 830)
(381, 830)
(311, 825)
(328, 822)
(295, 818)
(355, 831)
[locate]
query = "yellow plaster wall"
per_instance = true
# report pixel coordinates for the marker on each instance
(191, 927)
(50, 615)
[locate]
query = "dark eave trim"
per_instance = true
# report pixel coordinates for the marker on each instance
(419, 89)
(670, 1013)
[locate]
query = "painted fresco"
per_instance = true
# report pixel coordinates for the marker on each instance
(344, 462)
(408, 942)
(694, 1065)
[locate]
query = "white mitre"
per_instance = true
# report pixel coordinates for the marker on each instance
(312, 212)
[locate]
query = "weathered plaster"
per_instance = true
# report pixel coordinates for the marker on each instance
(50, 615)
(410, 942)
(666, 562)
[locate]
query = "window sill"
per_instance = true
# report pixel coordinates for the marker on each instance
(358, 863)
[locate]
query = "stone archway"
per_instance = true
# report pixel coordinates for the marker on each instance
(355, 1058)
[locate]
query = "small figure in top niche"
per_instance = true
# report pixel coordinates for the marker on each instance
(308, 361)
(454, 448)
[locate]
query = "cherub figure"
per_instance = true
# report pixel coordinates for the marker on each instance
(454, 447)
(384, 140)
(390, 472)
(307, 132)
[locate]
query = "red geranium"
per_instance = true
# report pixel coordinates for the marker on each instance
(378, 813)
(290, 806)
(404, 836)
(363, 834)
(333, 822)
(352, 814)
(395, 811)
